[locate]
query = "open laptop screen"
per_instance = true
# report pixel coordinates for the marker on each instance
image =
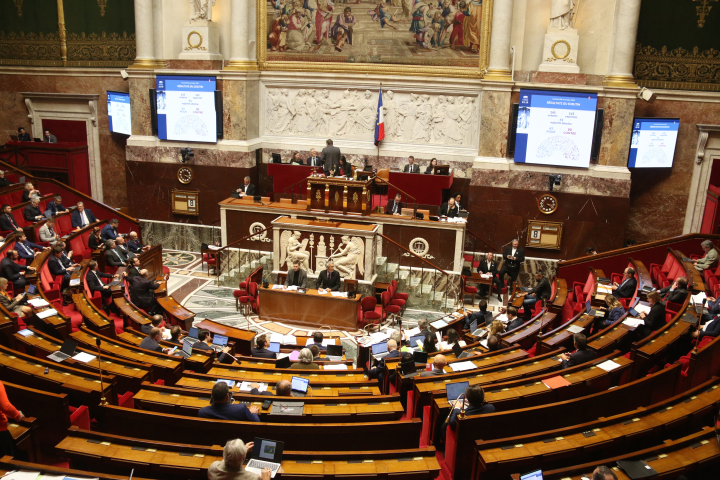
(379, 348)
(274, 347)
(334, 350)
(193, 333)
(536, 475)
(413, 340)
(454, 390)
(187, 347)
(300, 384)
(268, 450)
(587, 306)
(220, 340)
(473, 326)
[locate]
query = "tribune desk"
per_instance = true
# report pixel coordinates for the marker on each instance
(427, 189)
(308, 309)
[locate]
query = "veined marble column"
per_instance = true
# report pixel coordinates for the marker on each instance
(144, 44)
(240, 54)
(499, 65)
(621, 72)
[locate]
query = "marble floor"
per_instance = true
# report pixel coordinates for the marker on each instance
(195, 289)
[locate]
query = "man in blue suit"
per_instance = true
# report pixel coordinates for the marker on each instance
(56, 206)
(82, 217)
(109, 231)
(711, 329)
(377, 372)
(27, 250)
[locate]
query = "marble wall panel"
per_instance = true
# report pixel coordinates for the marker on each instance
(177, 236)
(140, 105)
(234, 109)
(616, 132)
(494, 118)
(203, 156)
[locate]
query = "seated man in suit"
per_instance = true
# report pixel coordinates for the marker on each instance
(142, 293)
(581, 355)
(66, 258)
(155, 322)
(448, 209)
(513, 320)
(23, 136)
(133, 268)
(47, 232)
(246, 188)
(205, 343)
(4, 182)
(710, 329)
(283, 388)
(122, 249)
(424, 326)
(82, 217)
(329, 279)
(479, 316)
(542, 290)
(32, 212)
(313, 160)
(13, 271)
(58, 269)
(296, 277)
(411, 167)
(439, 363)
(474, 404)
(7, 221)
(56, 206)
(626, 288)
(489, 265)
(318, 340)
(315, 353)
(395, 206)
(152, 342)
(221, 407)
(49, 137)
(135, 245)
(493, 343)
(175, 332)
(27, 250)
(109, 231)
(677, 292)
(113, 257)
(260, 350)
(378, 370)
(94, 284)
(710, 258)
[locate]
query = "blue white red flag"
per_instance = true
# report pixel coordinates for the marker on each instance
(379, 121)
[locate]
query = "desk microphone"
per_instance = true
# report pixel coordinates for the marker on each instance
(462, 408)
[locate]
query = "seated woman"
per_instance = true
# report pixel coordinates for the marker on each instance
(306, 361)
(613, 312)
(656, 318)
(452, 338)
(433, 164)
(343, 168)
(296, 160)
(496, 328)
(429, 343)
(11, 304)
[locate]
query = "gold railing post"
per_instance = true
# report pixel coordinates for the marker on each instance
(61, 32)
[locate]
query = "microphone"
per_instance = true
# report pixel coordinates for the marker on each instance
(462, 408)
(103, 401)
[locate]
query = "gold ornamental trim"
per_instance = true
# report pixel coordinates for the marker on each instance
(552, 49)
(102, 4)
(18, 5)
(197, 45)
(677, 69)
(703, 10)
(377, 68)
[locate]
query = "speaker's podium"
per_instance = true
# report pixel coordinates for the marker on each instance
(339, 194)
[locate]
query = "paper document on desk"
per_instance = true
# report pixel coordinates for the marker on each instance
(245, 386)
(575, 329)
(84, 357)
(633, 322)
(74, 282)
(502, 317)
(604, 288)
(462, 366)
(439, 323)
(340, 366)
(25, 332)
(22, 476)
(484, 343)
(339, 294)
(166, 334)
(322, 293)
(640, 308)
(289, 340)
(291, 288)
(608, 365)
(698, 299)
(328, 341)
(278, 287)
(282, 355)
(47, 313)
(413, 331)
(230, 383)
(276, 338)
(486, 275)
(309, 341)
(38, 302)
(213, 247)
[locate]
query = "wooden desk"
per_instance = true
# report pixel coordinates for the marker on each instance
(339, 195)
(242, 338)
(8, 464)
(310, 309)
(178, 314)
(338, 390)
(95, 320)
(561, 292)
(695, 278)
(317, 379)
(561, 336)
(25, 433)
(57, 325)
(132, 315)
(152, 261)
(655, 348)
(427, 189)
(526, 334)
(643, 275)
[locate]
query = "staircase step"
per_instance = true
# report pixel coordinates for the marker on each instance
(380, 260)
(392, 267)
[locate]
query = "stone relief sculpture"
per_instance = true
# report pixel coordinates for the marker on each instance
(201, 9)
(292, 250)
(351, 254)
(561, 13)
(409, 117)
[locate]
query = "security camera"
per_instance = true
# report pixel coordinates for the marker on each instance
(647, 95)
(186, 154)
(554, 180)
(124, 74)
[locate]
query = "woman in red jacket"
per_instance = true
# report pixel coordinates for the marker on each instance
(7, 444)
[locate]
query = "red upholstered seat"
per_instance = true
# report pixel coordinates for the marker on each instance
(126, 400)
(399, 295)
(393, 299)
(467, 290)
(368, 311)
(80, 417)
(388, 307)
(63, 225)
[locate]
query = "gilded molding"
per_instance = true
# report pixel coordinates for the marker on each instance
(678, 68)
(703, 10)
(18, 5)
(375, 68)
(102, 4)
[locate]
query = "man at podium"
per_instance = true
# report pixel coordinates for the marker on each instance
(296, 277)
(411, 167)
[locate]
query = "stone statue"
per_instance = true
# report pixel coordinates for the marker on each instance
(561, 13)
(351, 254)
(292, 250)
(201, 9)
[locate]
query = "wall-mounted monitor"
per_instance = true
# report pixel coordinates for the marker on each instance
(555, 128)
(118, 105)
(652, 144)
(186, 108)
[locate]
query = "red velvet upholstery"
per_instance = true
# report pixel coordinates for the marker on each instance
(368, 310)
(80, 417)
(126, 400)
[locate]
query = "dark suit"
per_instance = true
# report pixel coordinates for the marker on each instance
(333, 283)
(135, 246)
(262, 353)
(471, 410)
(414, 168)
(514, 323)
(429, 169)
(330, 157)
(480, 317)
(31, 213)
(132, 272)
(626, 289)
(511, 267)
(77, 221)
(26, 196)
(491, 268)
(8, 223)
(13, 272)
(432, 373)
(146, 329)
(653, 320)
(24, 137)
(113, 258)
(390, 206)
(541, 290)
(26, 250)
(150, 344)
(142, 294)
(50, 139)
(58, 269)
(319, 345)
(222, 358)
(94, 243)
(446, 211)
(339, 171)
(379, 370)
(712, 329)
(302, 278)
(580, 356)
(54, 208)
(676, 296)
(314, 162)
(227, 411)
(94, 284)
(108, 232)
(248, 189)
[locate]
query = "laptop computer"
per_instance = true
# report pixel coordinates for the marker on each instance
(186, 348)
(414, 340)
(274, 347)
(408, 367)
(536, 475)
(420, 357)
(488, 318)
(192, 335)
(454, 390)
(334, 353)
(633, 313)
(588, 308)
(31, 289)
(379, 351)
(220, 340)
(66, 351)
(475, 331)
(266, 454)
(299, 386)
(458, 351)
(283, 362)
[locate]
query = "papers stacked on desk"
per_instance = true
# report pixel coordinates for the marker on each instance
(25, 332)
(640, 308)
(340, 366)
(245, 386)
(502, 317)
(47, 313)
(698, 299)
(322, 293)
(84, 357)
(608, 365)
(277, 337)
(439, 323)
(289, 340)
(339, 294)
(413, 331)
(462, 366)
(604, 288)
(291, 288)
(575, 329)
(230, 383)
(486, 275)
(23, 476)
(633, 322)
(278, 287)
(38, 303)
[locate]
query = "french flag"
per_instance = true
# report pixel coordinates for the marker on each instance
(379, 121)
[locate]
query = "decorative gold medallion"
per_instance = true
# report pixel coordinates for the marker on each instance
(547, 204)
(355, 198)
(185, 175)
(337, 197)
(318, 195)
(567, 52)
(197, 45)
